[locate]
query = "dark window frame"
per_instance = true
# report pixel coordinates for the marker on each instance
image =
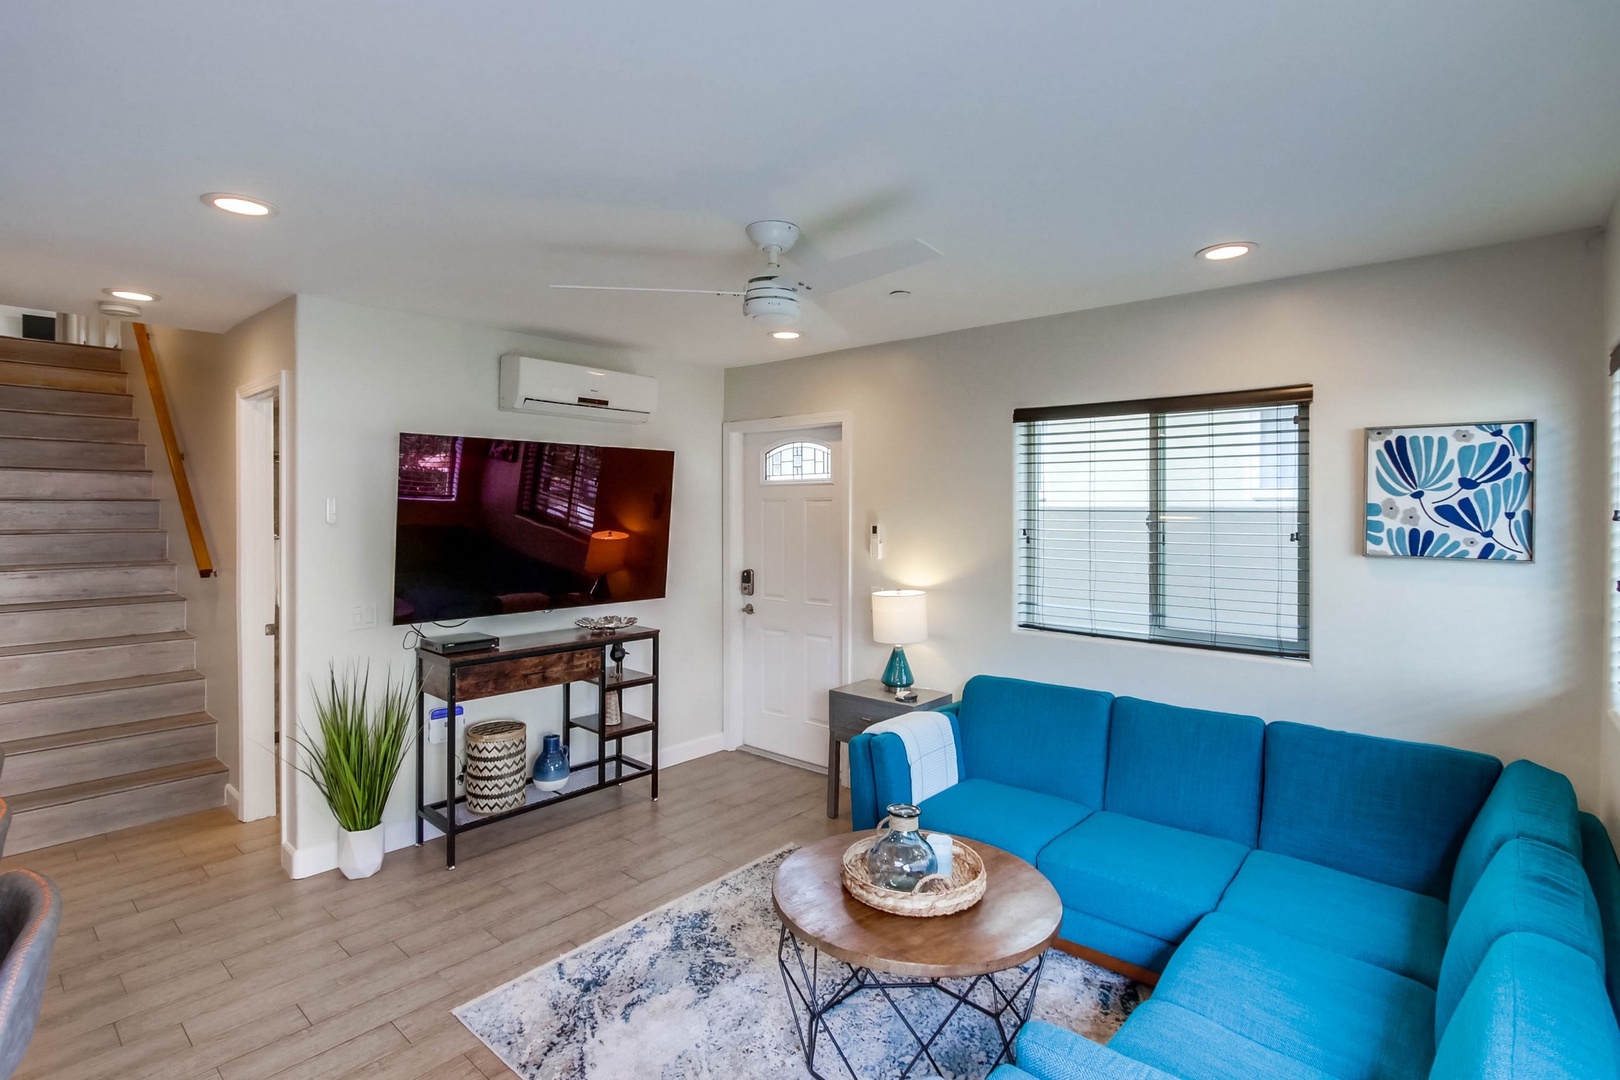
(1156, 410)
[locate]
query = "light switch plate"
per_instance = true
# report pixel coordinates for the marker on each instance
(362, 616)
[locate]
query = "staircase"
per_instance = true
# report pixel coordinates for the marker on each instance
(101, 705)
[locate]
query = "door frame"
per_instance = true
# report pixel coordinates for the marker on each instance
(260, 568)
(732, 657)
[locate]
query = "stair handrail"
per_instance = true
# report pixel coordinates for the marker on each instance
(171, 449)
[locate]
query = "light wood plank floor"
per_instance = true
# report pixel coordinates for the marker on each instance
(186, 952)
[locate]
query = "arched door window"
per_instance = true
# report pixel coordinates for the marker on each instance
(798, 463)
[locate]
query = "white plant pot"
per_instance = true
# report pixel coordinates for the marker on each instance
(360, 854)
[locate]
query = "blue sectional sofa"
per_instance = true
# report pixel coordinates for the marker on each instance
(1316, 903)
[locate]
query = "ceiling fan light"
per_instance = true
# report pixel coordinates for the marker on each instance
(786, 335)
(134, 295)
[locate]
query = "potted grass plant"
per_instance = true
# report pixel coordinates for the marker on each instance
(362, 743)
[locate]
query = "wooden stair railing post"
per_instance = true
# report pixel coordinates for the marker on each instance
(171, 449)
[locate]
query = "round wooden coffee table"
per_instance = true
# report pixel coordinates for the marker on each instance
(986, 959)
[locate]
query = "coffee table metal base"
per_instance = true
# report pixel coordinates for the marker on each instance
(1004, 998)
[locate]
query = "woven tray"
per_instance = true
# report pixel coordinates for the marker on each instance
(935, 894)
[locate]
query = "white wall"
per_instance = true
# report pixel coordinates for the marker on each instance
(201, 373)
(1610, 739)
(364, 375)
(1503, 658)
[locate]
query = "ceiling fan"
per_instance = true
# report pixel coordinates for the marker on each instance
(775, 298)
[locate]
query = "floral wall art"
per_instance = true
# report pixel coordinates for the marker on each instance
(1460, 491)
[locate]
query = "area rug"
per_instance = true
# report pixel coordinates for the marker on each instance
(692, 991)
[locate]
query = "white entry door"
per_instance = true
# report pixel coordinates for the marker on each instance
(796, 543)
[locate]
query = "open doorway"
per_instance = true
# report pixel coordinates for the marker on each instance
(261, 557)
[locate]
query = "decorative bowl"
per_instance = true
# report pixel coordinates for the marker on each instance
(603, 624)
(935, 894)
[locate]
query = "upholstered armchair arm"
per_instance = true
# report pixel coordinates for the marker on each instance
(1048, 1052)
(903, 760)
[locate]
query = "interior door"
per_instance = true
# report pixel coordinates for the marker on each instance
(796, 547)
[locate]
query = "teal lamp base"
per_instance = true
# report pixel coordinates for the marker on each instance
(897, 676)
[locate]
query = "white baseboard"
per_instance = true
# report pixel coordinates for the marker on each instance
(691, 749)
(318, 859)
(233, 801)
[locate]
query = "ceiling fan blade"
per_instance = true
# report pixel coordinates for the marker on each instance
(639, 288)
(867, 265)
(821, 331)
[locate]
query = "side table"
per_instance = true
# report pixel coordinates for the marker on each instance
(852, 709)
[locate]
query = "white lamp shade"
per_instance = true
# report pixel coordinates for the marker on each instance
(899, 616)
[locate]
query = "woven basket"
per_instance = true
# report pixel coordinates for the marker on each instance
(934, 895)
(496, 766)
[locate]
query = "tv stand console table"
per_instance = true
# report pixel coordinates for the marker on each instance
(526, 662)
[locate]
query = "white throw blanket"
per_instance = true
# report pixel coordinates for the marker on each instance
(930, 749)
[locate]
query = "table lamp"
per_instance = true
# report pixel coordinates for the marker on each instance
(604, 556)
(899, 617)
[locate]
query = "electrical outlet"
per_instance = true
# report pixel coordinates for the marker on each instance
(363, 617)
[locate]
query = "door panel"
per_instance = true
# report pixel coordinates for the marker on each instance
(794, 539)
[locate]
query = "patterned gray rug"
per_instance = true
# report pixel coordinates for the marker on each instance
(692, 991)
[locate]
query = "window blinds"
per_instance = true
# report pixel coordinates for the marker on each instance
(1177, 520)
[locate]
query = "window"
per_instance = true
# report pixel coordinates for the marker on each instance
(798, 463)
(559, 485)
(1175, 520)
(428, 467)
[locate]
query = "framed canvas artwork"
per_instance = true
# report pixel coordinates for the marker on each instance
(1453, 491)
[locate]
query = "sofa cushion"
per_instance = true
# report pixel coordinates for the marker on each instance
(1112, 939)
(1050, 739)
(1011, 818)
(1186, 768)
(1529, 801)
(1535, 1009)
(1597, 853)
(1342, 1016)
(1193, 1047)
(1402, 931)
(1392, 811)
(1529, 887)
(1140, 875)
(1052, 1053)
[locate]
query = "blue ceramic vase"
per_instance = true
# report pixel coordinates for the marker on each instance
(551, 767)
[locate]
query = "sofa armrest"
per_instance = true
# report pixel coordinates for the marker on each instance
(1052, 1053)
(903, 759)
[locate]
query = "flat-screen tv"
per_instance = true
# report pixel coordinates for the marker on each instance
(497, 526)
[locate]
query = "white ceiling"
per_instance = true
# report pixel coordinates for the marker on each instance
(457, 158)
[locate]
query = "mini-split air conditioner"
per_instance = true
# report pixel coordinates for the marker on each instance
(532, 385)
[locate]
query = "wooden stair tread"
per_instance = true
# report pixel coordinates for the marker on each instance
(91, 601)
(87, 566)
(35, 351)
(108, 785)
(45, 693)
(106, 733)
(69, 439)
(79, 644)
(70, 468)
(57, 531)
(5, 410)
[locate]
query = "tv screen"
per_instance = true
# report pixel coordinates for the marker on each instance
(496, 526)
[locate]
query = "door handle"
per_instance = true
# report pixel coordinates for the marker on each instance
(748, 609)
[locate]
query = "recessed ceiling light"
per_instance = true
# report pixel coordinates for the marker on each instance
(899, 292)
(1232, 249)
(131, 294)
(238, 204)
(786, 335)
